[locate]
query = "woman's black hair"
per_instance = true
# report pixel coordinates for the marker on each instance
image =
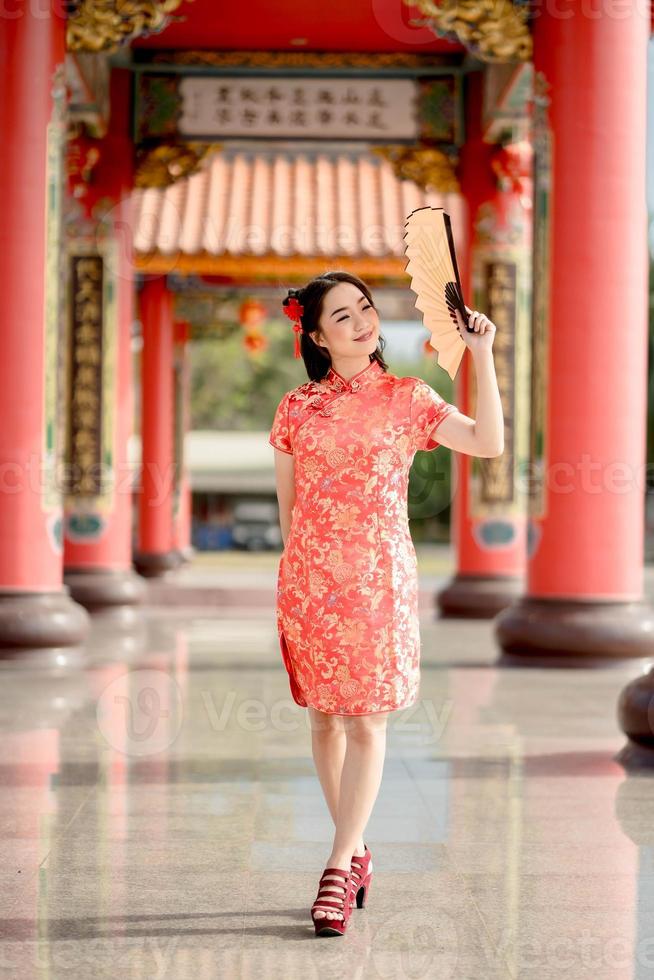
(317, 359)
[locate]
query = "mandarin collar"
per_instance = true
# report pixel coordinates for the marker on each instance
(336, 382)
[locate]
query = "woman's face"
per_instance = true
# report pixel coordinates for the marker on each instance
(346, 317)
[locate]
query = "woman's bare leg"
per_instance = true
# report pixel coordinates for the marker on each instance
(361, 774)
(328, 744)
(328, 748)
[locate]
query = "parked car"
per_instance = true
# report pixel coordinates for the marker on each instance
(256, 525)
(208, 537)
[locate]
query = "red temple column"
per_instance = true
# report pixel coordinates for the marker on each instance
(35, 608)
(182, 499)
(589, 350)
(97, 528)
(184, 521)
(156, 552)
(489, 513)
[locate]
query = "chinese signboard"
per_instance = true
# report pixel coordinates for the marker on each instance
(502, 277)
(200, 107)
(342, 107)
(84, 437)
(497, 485)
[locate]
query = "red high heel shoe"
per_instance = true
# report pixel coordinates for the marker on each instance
(361, 868)
(330, 898)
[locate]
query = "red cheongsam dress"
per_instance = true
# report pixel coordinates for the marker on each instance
(347, 584)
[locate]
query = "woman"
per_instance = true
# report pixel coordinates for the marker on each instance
(347, 592)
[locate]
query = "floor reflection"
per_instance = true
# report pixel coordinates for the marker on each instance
(161, 817)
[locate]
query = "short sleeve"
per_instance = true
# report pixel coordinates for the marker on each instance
(428, 410)
(280, 433)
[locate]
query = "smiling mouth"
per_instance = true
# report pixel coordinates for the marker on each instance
(366, 336)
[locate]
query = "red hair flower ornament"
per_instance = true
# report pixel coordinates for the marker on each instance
(294, 310)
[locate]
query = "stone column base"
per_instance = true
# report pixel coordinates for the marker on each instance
(568, 633)
(636, 719)
(155, 564)
(187, 554)
(119, 620)
(41, 620)
(478, 596)
(99, 588)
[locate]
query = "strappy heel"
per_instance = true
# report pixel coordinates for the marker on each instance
(361, 869)
(330, 898)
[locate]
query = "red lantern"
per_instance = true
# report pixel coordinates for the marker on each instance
(255, 342)
(252, 313)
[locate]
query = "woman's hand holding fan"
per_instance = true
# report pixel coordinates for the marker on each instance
(480, 333)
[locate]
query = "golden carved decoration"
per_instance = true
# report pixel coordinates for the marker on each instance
(494, 30)
(170, 162)
(103, 25)
(306, 59)
(426, 166)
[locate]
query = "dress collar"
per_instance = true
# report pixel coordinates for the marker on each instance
(337, 382)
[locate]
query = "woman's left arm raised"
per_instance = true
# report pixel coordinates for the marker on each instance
(483, 436)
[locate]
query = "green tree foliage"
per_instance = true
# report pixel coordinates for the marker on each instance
(230, 389)
(233, 390)
(430, 476)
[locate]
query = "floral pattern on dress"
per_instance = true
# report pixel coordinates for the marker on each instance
(347, 584)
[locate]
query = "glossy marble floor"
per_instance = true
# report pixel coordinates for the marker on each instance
(160, 816)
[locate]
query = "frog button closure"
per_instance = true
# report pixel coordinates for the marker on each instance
(326, 412)
(354, 385)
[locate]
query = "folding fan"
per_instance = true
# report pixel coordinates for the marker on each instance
(435, 281)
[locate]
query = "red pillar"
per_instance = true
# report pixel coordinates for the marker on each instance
(98, 553)
(585, 570)
(184, 521)
(489, 513)
(35, 609)
(182, 506)
(156, 549)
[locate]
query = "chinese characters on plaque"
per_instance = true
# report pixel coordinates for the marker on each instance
(497, 477)
(336, 108)
(84, 437)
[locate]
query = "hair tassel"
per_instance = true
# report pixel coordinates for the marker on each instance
(294, 310)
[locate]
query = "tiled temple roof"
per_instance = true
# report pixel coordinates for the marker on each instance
(284, 203)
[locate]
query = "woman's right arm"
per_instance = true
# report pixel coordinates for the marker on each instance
(285, 478)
